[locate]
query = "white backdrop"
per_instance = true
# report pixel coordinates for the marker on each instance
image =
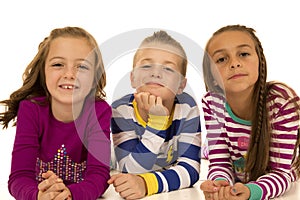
(24, 24)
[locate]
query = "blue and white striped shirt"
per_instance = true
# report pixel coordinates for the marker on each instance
(170, 157)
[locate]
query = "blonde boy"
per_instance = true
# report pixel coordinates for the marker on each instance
(156, 131)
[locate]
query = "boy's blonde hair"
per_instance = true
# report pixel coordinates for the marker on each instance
(163, 41)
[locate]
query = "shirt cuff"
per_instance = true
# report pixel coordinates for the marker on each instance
(255, 191)
(151, 183)
(158, 122)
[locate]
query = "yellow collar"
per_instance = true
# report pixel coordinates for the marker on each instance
(140, 119)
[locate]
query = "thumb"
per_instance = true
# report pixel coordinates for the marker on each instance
(48, 174)
(113, 178)
(237, 189)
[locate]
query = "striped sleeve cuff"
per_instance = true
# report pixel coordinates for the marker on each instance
(221, 179)
(151, 183)
(255, 191)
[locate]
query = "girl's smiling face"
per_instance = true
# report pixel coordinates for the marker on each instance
(69, 70)
(235, 64)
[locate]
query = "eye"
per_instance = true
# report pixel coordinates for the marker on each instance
(168, 69)
(145, 66)
(57, 65)
(221, 60)
(244, 54)
(83, 67)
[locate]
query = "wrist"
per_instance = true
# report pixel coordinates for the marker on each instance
(151, 183)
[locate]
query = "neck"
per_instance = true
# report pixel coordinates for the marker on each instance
(66, 113)
(241, 104)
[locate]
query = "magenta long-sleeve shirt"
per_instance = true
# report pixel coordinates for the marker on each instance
(78, 152)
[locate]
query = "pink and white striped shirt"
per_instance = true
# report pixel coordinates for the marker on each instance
(228, 137)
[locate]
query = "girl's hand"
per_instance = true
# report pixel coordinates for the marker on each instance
(240, 191)
(129, 186)
(150, 104)
(211, 189)
(53, 188)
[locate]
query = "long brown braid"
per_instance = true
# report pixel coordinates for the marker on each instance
(257, 160)
(34, 83)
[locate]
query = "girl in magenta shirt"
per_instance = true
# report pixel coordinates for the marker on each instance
(62, 144)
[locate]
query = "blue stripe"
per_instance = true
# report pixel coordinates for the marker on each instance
(160, 183)
(172, 179)
(185, 98)
(190, 151)
(138, 151)
(125, 100)
(194, 175)
(134, 146)
(146, 160)
(120, 124)
(193, 125)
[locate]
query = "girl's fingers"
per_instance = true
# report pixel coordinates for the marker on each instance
(221, 183)
(48, 174)
(215, 196)
(57, 187)
(208, 186)
(221, 193)
(46, 184)
(227, 192)
(65, 194)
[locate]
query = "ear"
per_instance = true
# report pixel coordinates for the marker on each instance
(182, 86)
(132, 81)
(215, 83)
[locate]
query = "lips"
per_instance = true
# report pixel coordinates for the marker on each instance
(155, 84)
(236, 76)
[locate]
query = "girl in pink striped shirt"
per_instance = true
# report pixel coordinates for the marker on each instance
(252, 125)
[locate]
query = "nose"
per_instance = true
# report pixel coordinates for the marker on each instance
(69, 72)
(235, 63)
(156, 72)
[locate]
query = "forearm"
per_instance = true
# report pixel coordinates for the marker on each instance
(142, 152)
(22, 187)
(180, 176)
(220, 166)
(93, 185)
(273, 184)
(184, 173)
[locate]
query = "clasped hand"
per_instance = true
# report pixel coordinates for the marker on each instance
(221, 190)
(53, 188)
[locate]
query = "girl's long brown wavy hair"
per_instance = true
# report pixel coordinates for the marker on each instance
(34, 83)
(257, 160)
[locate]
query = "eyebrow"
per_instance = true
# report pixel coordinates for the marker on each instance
(151, 60)
(79, 59)
(239, 46)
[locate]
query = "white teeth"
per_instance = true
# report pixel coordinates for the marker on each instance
(67, 87)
